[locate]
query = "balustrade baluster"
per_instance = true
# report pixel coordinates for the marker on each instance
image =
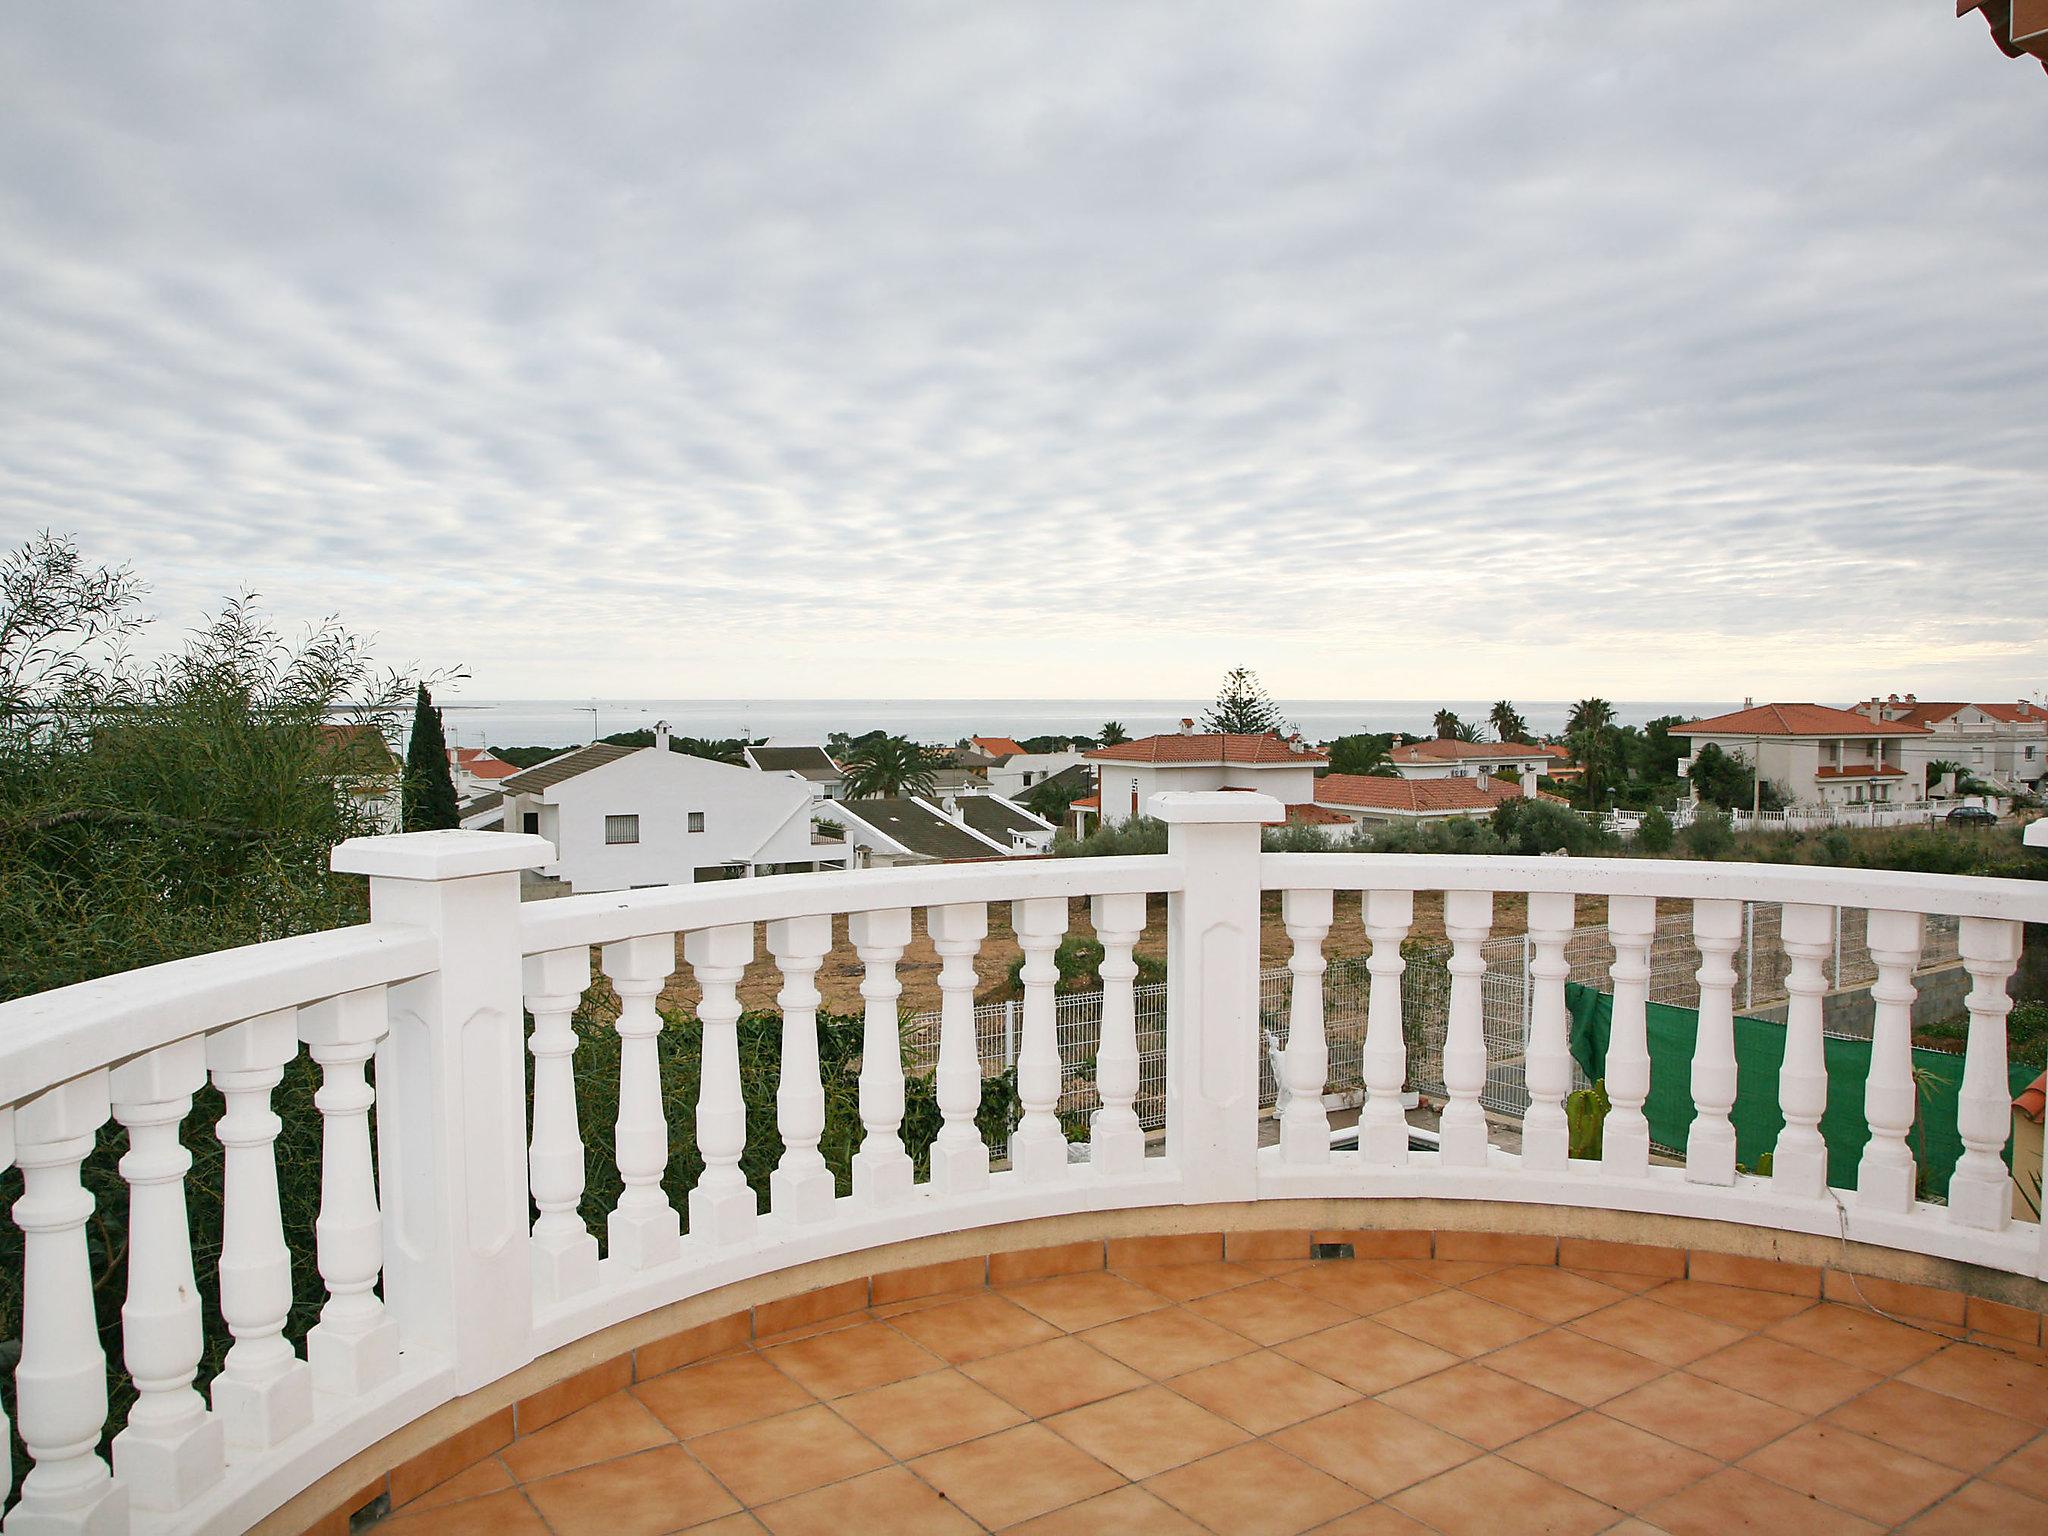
(1468, 919)
(6, 1429)
(644, 1229)
(60, 1383)
(801, 1188)
(723, 1208)
(1710, 1142)
(354, 1346)
(171, 1449)
(1799, 1162)
(1116, 1140)
(959, 1156)
(1305, 1064)
(1980, 1190)
(1038, 1148)
(264, 1392)
(1383, 1119)
(1625, 1137)
(1546, 1137)
(564, 1247)
(882, 1170)
(1886, 1177)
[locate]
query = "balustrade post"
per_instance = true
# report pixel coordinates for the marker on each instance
(882, 1171)
(172, 1449)
(1625, 1138)
(60, 1383)
(6, 1429)
(1212, 993)
(451, 1113)
(1305, 1064)
(1886, 1178)
(1116, 1141)
(1980, 1190)
(1546, 1137)
(1038, 1147)
(1799, 1163)
(1710, 1142)
(801, 1188)
(1468, 918)
(959, 1156)
(1383, 1119)
(564, 1248)
(723, 1207)
(643, 1230)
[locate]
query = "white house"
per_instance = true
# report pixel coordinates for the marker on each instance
(954, 827)
(477, 771)
(1368, 800)
(2003, 744)
(1814, 754)
(1439, 758)
(808, 762)
(621, 817)
(1022, 772)
(1130, 773)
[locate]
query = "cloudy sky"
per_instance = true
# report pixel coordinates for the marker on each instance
(1547, 348)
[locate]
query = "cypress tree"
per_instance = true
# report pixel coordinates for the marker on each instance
(428, 796)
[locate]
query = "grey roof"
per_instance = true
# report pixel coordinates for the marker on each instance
(918, 828)
(490, 800)
(1080, 777)
(990, 817)
(556, 769)
(813, 763)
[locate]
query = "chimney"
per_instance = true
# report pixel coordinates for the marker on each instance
(661, 735)
(1187, 726)
(1748, 702)
(1295, 743)
(1912, 698)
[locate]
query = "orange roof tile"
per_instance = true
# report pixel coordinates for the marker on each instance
(1414, 797)
(2033, 1099)
(1264, 751)
(1794, 720)
(1318, 815)
(1441, 750)
(2021, 713)
(998, 746)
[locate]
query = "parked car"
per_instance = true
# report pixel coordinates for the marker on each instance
(1972, 816)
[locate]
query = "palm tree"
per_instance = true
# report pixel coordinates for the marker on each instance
(1589, 715)
(1447, 725)
(1589, 731)
(1112, 732)
(891, 765)
(1507, 721)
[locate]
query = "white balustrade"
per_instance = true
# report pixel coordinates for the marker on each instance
(882, 1171)
(1710, 1141)
(1468, 919)
(644, 1229)
(1886, 1176)
(1546, 1135)
(1980, 1190)
(1038, 1147)
(171, 1449)
(723, 1208)
(1116, 1141)
(1305, 1123)
(264, 1392)
(1625, 1137)
(1799, 1162)
(959, 1155)
(6, 1429)
(354, 1346)
(801, 1187)
(1383, 1119)
(564, 1248)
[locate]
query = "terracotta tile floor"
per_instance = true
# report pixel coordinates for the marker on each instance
(1344, 1396)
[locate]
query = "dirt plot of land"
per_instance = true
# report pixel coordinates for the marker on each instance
(918, 970)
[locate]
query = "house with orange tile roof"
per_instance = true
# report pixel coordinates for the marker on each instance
(1815, 754)
(1130, 773)
(2002, 744)
(477, 771)
(1442, 758)
(1369, 800)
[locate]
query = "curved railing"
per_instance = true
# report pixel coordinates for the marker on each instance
(459, 1254)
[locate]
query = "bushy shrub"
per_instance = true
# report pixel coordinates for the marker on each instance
(1141, 834)
(1655, 834)
(1541, 826)
(1709, 836)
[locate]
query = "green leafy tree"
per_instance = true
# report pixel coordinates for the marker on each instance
(1542, 826)
(1655, 834)
(1724, 779)
(427, 800)
(1112, 733)
(1507, 722)
(891, 765)
(1709, 835)
(1364, 753)
(1589, 732)
(720, 750)
(1242, 707)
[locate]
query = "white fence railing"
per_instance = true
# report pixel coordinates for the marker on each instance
(461, 1246)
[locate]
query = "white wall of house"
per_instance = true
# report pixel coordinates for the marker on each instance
(1017, 775)
(1124, 785)
(1792, 765)
(1527, 769)
(1986, 747)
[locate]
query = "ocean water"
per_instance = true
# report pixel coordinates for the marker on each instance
(568, 722)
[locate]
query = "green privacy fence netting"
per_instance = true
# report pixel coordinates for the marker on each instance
(1759, 1052)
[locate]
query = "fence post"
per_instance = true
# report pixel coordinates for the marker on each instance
(1212, 991)
(1009, 1033)
(451, 1098)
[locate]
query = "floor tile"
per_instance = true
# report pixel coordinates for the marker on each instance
(1184, 1282)
(1619, 1279)
(972, 1329)
(852, 1359)
(1373, 1520)
(1367, 1356)
(1480, 1405)
(1574, 1366)
(1944, 1429)
(729, 1525)
(1733, 1304)
(1044, 1379)
(1668, 1335)
(1015, 1475)
(495, 1514)
(1447, 1271)
(1735, 1500)
(1270, 1312)
(1168, 1342)
(893, 1499)
(617, 1425)
(1262, 1392)
(2027, 1470)
(719, 1394)
(1377, 1449)
(1147, 1431)
(1461, 1323)
(1878, 1482)
(1987, 1378)
(1490, 1495)
(1715, 1420)
(643, 1495)
(487, 1476)
(1858, 1337)
(1613, 1462)
(1255, 1490)
(926, 1413)
(1543, 1291)
(1074, 1302)
(1982, 1509)
(1123, 1512)
(789, 1454)
(1785, 1374)
(1361, 1286)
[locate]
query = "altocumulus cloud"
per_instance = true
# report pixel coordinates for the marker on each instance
(939, 349)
